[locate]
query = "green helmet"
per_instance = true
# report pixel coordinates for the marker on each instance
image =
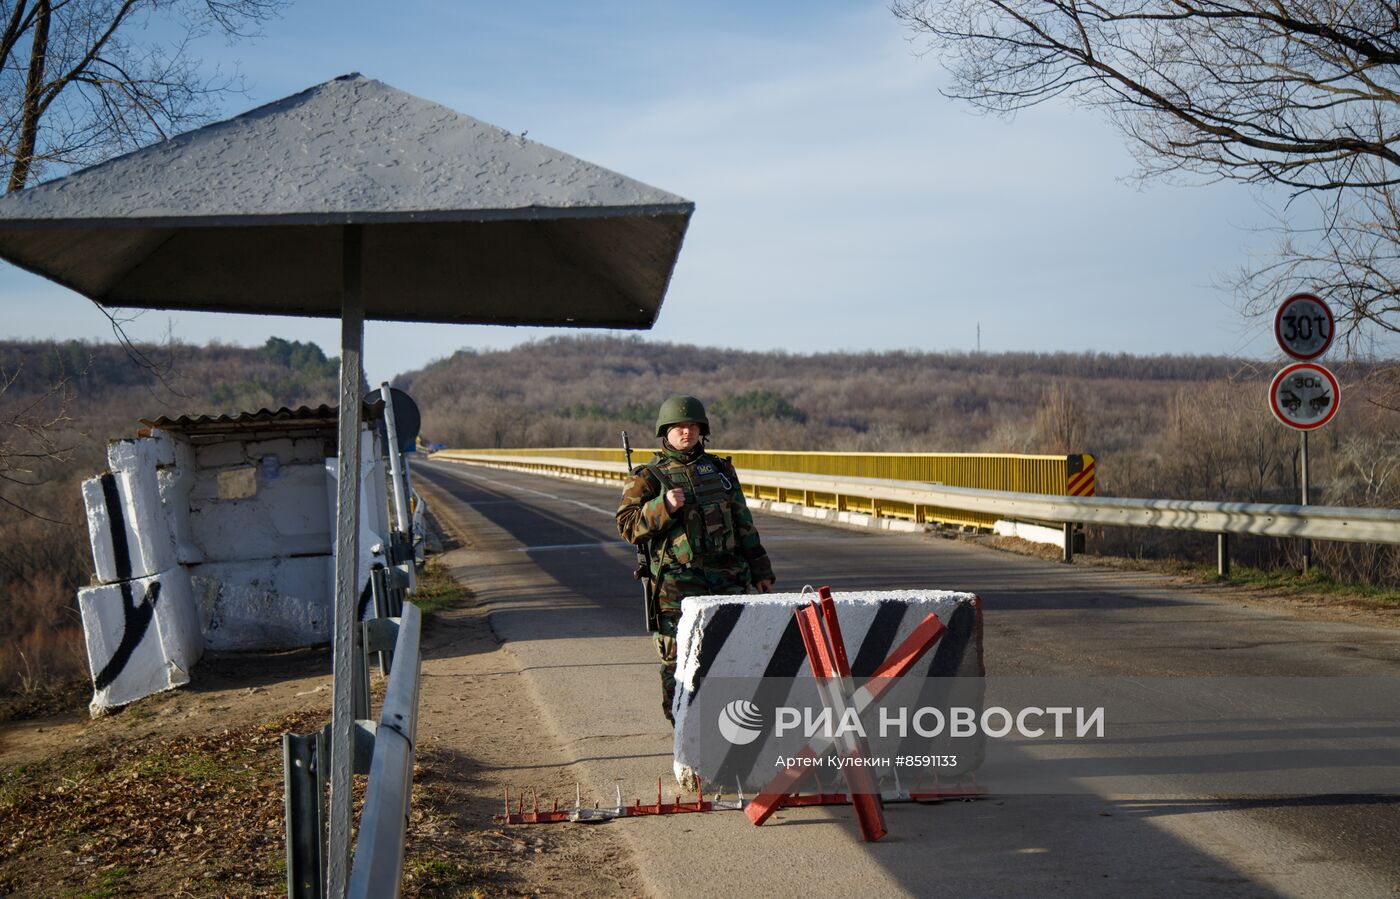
(678, 409)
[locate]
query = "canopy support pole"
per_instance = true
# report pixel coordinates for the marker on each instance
(347, 561)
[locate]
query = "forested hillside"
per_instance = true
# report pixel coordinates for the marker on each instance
(1159, 425)
(60, 403)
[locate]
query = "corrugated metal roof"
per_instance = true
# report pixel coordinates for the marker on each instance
(285, 418)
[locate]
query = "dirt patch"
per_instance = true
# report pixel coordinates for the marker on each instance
(193, 815)
(181, 793)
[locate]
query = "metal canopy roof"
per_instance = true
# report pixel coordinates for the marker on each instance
(463, 222)
(286, 418)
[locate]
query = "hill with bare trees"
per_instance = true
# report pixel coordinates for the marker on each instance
(1159, 426)
(1186, 427)
(1183, 426)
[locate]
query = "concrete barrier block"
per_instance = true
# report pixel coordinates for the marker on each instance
(127, 526)
(141, 452)
(99, 523)
(376, 483)
(748, 650)
(175, 483)
(142, 637)
(1035, 533)
(264, 603)
(373, 529)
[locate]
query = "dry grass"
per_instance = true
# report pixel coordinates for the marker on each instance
(194, 816)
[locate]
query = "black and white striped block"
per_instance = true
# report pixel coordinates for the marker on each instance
(142, 636)
(742, 670)
(127, 526)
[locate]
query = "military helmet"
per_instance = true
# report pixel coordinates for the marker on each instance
(678, 409)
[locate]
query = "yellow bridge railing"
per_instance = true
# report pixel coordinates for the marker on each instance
(1068, 475)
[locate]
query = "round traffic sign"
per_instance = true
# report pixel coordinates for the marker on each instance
(1303, 326)
(1304, 395)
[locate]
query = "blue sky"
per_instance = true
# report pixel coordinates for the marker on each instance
(841, 201)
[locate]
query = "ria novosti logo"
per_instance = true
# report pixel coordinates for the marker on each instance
(740, 722)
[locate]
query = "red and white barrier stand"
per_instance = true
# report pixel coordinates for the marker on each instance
(821, 633)
(826, 652)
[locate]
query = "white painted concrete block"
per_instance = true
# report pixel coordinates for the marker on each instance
(377, 485)
(217, 455)
(372, 514)
(127, 526)
(175, 483)
(141, 452)
(264, 603)
(308, 449)
(748, 650)
(142, 637)
(282, 448)
(283, 517)
(1035, 533)
(100, 537)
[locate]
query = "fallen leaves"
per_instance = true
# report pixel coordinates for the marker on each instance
(198, 815)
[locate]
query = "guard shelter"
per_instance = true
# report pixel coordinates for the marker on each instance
(227, 522)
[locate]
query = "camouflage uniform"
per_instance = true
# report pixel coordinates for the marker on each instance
(708, 546)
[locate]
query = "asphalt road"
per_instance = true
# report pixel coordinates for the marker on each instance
(546, 560)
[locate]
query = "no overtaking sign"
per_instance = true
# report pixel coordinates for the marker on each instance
(1304, 396)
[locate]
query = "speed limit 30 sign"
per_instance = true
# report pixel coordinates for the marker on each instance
(1303, 326)
(1304, 395)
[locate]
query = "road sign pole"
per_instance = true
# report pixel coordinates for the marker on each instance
(1304, 395)
(1307, 544)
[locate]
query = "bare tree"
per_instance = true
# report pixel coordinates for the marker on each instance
(1059, 422)
(1303, 94)
(28, 436)
(83, 80)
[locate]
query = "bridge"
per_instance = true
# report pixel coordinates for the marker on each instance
(546, 561)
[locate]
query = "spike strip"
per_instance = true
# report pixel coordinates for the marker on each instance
(636, 809)
(719, 804)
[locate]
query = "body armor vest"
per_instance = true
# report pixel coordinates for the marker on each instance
(707, 516)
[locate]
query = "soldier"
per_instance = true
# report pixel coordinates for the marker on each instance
(688, 504)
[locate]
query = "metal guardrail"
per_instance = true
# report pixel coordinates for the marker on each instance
(1262, 519)
(1071, 474)
(378, 866)
(317, 861)
(306, 759)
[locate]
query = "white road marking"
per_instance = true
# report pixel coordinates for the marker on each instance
(563, 499)
(475, 476)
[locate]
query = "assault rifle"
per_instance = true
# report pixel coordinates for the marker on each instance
(643, 569)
